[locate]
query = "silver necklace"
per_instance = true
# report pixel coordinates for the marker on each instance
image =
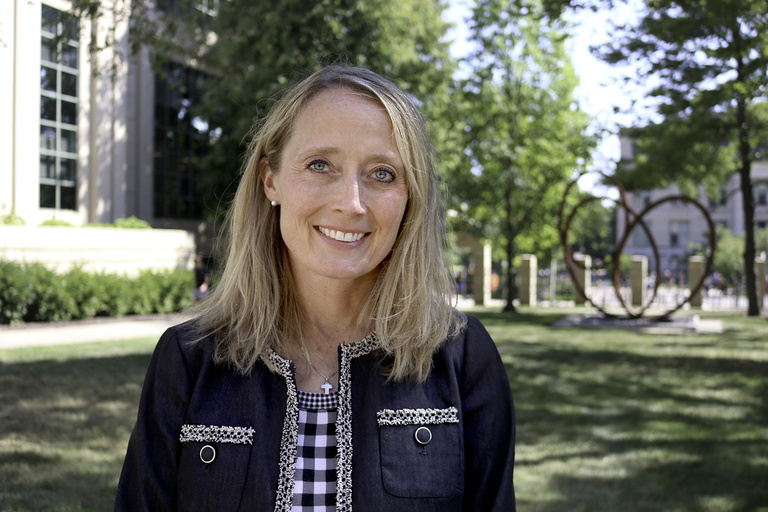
(326, 386)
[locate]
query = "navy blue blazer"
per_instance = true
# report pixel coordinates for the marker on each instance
(209, 438)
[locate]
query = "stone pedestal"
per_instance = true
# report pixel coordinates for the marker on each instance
(583, 274)
(760, 278)
(695, 272)
(638, 275)
(526, 293)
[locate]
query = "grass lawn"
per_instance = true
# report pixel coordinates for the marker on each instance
(608, 420)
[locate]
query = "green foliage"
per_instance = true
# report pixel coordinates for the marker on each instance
(131, 222)
(729, 262)
(706, 62)
(261, 48)
(54, 222)
(729, 255)
(524, 134)
(15, 293)
(10, 219)
(34, 293)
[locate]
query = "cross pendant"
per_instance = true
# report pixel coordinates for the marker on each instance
(327, 387)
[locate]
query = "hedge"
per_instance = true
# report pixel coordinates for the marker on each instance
(30, 292)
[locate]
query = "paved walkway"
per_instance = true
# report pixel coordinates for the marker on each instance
(84, 331)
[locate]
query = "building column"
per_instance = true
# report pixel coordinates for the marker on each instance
(526, 293)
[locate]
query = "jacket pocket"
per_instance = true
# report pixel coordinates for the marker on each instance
(421, 452)
(213, 467)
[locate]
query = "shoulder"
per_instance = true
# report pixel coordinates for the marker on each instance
(182, 347)
(473, 337)
(474, 355)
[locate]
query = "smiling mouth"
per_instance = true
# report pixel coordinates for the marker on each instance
(341, 236)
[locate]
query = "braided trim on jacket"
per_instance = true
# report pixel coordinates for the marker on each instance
(290, 437)
(216, 434)
(387, 417)
(344, 420)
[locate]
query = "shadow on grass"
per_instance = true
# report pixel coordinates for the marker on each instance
(65, 427)
(658, 428)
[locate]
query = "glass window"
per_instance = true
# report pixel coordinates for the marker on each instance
(47, 138)
(47, 50)
(68, 198)
(50, 19)
(47, 196)
(181, 140)
(68, 112)
(70, 55)
(48, 108)
(48, 80)
(69, 84)
(68, 141)
(47, 167)
(68, 169)
(761, 194)
(678, 233)
(58, 109)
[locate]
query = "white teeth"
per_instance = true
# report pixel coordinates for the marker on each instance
(340, 235)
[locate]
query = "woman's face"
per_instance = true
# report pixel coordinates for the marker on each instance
(341, 188)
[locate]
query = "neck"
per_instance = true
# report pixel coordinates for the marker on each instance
(332, 313)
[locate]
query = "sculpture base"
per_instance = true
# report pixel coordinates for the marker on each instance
(672, 325)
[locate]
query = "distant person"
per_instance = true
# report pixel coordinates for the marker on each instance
(202, 280)
(328, 371)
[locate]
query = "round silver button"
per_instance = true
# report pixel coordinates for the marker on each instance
(423, 435)
(207, 454)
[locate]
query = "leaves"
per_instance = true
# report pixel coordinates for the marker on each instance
(524, 134)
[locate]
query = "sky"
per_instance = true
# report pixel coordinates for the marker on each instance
(601, 88)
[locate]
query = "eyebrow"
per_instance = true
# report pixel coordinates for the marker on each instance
(380, 157)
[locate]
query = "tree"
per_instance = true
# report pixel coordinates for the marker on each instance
(524, 133)
(254, 61)
(709, 61)
(250, 50)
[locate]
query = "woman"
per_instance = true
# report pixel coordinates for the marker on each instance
(328, 370)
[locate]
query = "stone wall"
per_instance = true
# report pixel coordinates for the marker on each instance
(112, 250)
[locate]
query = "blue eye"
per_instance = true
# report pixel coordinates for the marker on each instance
(318, 165)
(384, 175)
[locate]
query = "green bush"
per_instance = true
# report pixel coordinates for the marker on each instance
(34, 293)
(15, 293)
(131, 222)
(11, 219)
(53, 221)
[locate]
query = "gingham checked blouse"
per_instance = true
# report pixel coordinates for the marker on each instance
(315, 482)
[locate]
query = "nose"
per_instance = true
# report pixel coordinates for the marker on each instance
(349, 198)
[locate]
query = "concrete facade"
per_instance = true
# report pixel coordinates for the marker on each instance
(118, 251)
(673, 225)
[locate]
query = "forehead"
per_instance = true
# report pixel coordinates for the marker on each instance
(343, 101)
(343, 116)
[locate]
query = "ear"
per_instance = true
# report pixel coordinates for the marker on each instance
(268, 179)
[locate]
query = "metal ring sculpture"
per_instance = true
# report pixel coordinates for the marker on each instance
(632, 219)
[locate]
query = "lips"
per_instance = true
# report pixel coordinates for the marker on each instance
(341, 236)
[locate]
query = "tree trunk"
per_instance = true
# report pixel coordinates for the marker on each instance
(748, 202)
(509, 307)
(753, 308)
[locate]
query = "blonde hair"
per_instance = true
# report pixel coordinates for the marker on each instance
(254, 307)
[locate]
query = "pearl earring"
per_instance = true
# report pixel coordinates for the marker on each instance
(274, 203)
